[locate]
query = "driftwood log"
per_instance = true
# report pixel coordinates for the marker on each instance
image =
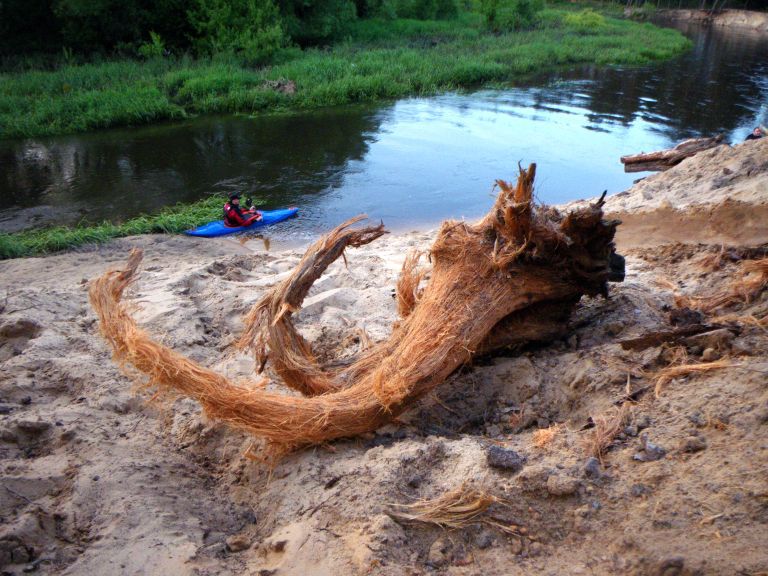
(666, 159)
(512, 277)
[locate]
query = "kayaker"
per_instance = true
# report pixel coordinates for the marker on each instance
(234, 215)
(756, 134)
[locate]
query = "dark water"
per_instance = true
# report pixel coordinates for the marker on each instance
(411, 163)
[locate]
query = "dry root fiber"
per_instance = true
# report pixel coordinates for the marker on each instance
(607, 427)
(457, 508)
(486, 279)
(670, 373)
(742, 291)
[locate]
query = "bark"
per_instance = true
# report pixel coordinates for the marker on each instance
(665, 159)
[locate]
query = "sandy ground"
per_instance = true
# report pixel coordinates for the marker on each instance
(97, 481)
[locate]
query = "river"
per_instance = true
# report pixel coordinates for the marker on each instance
(410, 163)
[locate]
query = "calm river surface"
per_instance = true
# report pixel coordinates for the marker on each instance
(410, 163)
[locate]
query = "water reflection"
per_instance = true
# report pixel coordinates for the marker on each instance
(410, 163)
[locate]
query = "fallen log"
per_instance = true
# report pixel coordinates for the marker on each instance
(665, 159)
(520, 267)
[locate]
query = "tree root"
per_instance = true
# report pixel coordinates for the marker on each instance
(512, 277)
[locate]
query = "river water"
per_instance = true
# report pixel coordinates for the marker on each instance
(410, 163)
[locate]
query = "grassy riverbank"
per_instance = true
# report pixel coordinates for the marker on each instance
(172, 220)
(380, 60)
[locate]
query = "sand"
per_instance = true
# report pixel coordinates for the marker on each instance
(96, 480)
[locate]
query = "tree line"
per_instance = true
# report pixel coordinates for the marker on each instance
(253, 29)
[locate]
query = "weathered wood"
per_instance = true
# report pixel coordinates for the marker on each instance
(666, 336)
(665, 159)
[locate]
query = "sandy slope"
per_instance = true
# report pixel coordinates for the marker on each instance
(95, 481)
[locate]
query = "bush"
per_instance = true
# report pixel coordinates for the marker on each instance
(503, 15)
(250, 29)
(587, 21)
(153, 49)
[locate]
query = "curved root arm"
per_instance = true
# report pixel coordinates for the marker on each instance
(468, 296)
(269, 324)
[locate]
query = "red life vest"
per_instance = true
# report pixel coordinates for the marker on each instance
(234, 217)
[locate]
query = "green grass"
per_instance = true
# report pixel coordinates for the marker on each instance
(380, 60)
(172, 220)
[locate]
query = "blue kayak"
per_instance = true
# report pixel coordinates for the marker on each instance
(217, 228)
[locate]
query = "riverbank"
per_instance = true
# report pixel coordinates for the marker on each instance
(380, 61)
(95, 481)
(747, 19)
(171, 220)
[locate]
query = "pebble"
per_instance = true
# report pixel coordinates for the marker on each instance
(562, 485)
(485, 539)
(504, 459)
(709, 355)
(671, 566)
(651, 452)
(5, 409)
(693, 444)
(697, 419)
(238, 543)
(439, 553)
(639, 490)
(592, 468)
(631, 430)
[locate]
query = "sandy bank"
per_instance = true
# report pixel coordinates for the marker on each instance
(96, 481)
(747, 19)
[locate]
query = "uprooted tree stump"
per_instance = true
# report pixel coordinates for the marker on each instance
(510, 278)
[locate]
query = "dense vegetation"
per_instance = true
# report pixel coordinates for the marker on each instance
(379, 59)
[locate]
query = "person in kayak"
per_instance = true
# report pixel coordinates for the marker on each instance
(234, 216)
(756, 134)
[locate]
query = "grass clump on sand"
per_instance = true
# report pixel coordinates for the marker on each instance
(170, 220)
(379, 60)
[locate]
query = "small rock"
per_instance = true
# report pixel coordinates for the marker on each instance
(651, 452)
(562, 485)
(485, 539)
(693, 444)
(5, 409)
(592, 468)
(631, 430)
(504, 459)
(697, 418)
(26, 401)
(671, 566)
(643, 422)
(439, 553)
(709, 355)
(639, 490)
(238, 543)
(217, 549)
(7, 436)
